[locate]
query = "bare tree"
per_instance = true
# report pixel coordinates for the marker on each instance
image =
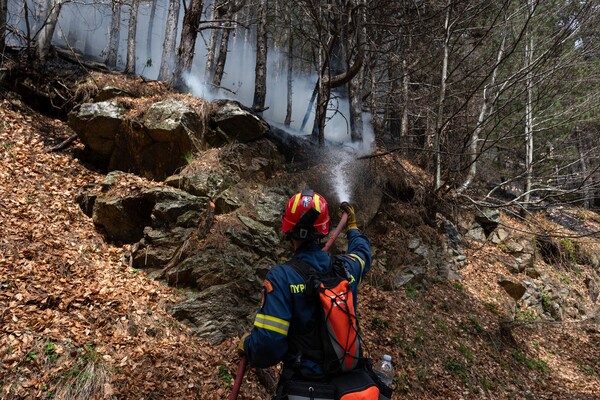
(187, 44)
(131, 34)
(226, 12)
(46, 32)
(290, 65)
(439, 123)
(115, 31)
(150, 29)
(3, 19)
(260, 76)
(168, 53)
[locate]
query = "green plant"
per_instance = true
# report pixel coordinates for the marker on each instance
(411, 291)
(225, 375)
(30, 356)
(546, 302)
(466, 352)
(588, 370)
(569, 249)
(50, 351)
(531, 363)
(488, 384)
(525, 315)
(475, 324)
(564, 279)
(492, 307)
(457, 367)
(458, 286)
(379, 323)
(188, 157)
(134, 271)
(502, 246)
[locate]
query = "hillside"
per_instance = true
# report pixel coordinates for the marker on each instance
(78, 321)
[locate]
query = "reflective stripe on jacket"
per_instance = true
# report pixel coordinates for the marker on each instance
(285, 309)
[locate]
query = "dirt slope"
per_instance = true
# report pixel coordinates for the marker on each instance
(76, 322)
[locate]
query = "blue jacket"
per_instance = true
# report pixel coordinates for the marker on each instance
(284, 308)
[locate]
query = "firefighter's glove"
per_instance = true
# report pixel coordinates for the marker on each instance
(241, 343)
(351, 222)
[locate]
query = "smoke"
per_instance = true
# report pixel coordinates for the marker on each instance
(85, 26)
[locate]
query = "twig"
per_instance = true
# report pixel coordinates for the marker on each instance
(65, 143)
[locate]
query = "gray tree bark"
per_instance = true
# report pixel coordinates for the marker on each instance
(290, 68)
(115, 32)
(439, 124)
(150, 30)
(260, 72)
(169, 45)
(131, 34)
(187, 43)
(46, 32)
(528, 109)
(3, 19)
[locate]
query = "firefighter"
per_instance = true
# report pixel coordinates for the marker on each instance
(286, 317)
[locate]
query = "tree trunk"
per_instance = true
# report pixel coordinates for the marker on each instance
(528, 110)
(483, 113)
(222, 58)
(150, 30)
(439, 125)
(168, 53)
(115, 32)
(355, 85)
(187, 44)
(260, 77)
(586, 179)
(44, 38)
(131, 53)
(290, 68)
(356, 120)
(3, 17)
(405, 98)
(212, 45)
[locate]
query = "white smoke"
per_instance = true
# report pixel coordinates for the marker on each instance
(85, 26)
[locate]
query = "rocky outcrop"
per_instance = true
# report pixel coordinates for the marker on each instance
(154, 140)
(232, 122)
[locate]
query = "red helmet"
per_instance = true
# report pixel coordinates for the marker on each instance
(306, 216)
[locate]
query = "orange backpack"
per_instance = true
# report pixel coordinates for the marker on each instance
(339, 332)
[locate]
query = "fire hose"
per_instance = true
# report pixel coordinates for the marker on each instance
(244, 360)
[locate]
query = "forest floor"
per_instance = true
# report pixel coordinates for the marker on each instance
(77, 322)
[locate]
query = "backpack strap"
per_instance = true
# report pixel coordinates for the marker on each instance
(303, 268)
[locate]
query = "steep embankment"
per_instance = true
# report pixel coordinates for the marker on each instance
(78, 322)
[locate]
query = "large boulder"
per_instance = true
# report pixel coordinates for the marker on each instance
(232, 122)
(153, 141)
(97, 125)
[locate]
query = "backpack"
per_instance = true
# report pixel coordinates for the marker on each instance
(337, 327)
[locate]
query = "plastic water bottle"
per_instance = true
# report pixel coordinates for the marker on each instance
(385, 370)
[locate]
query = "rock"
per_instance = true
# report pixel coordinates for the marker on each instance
(151, 142)
(209, 320)
(499, 236)
(233, 122)
(97, 125)
(593, 288)
(227, 202)
(269, 207)
(532, 273)
(476, 232)
(414, 243)
(122, 218)
(514, 288)
(488, 219)
(109, 93)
